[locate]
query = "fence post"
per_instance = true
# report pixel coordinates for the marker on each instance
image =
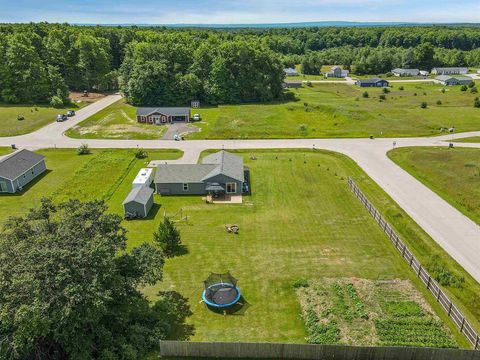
(428, 282)
(449, 308)
(438, 294)
(477, 342)
(463, 323)
(420, 270)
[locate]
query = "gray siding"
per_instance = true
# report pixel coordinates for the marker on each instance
(8, 184)
(20, 182)
(149, 205)
(133, 207)
(177, 189)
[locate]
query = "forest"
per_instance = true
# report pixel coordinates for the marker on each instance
(41, 62)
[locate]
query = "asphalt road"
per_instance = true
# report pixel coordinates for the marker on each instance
(452, 230)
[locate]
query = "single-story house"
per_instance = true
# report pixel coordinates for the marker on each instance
(163, 115)
(450, 80)
(290, 72)
(337, 72)
(292, 84)
(219, 173)
(449, 70)
(373, 82)
(405, 72)
(138, 202)
(20, 168)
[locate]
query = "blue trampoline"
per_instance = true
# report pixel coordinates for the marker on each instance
(221, 291)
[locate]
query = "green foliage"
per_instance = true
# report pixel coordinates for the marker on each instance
(365, 94)
(401, 88)
(67, 273)
(476, 102)
(439, 102)
(382, 97)
(443, 275)
(141, 153)
(167, 237)
(472, 84)
(385, 90)
(300, 283)
(320, 332)
(474, 90)
(424, 105)
(56, 102)
(443, 90)
(464, 88)
(83, 149)
(311, 64)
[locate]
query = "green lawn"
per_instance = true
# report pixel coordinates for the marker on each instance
(117, 121)
(35, 117)
(321, 111)
(5, 150)
(475, 139)
(454, 174)
(301, 221)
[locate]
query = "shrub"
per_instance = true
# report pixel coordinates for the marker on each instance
(382, 97)
(20, 117)
(365, 94)
(168, 237)
(302, 127)
(472, 84)
(439, 102)
(443, 91)
(141, 153)
(385, 90)
(401, 88)
(83, 149)
(56, 102)
(476, 102)
(464, 88)
(309, 83)
(474, 90)
(300, 283)
(414, 94)
(423, 105)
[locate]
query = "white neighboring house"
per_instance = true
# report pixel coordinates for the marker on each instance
(290, 72)
(405, 72)
(424, 73)
(143, 179)
(449, 70)
(337, 72)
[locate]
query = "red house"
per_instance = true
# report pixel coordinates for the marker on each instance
(163, 115)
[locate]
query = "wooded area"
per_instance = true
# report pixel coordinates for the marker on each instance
(160, 66)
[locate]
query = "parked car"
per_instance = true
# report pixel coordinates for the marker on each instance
(71, 113)
(197, 117)
(61, 117)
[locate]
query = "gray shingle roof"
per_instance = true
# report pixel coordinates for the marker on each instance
(370, 81)
(18, 163)
(139, 195)
(443, 77)
(182, 173)
(220, 163)
(406, 71)
(450, 68)
(169, 111)
(229, 165)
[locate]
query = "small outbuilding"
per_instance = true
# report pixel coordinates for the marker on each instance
(138, 203)
(373, 82)
(19, 169)
(143, 178)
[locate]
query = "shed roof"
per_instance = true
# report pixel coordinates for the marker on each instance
(169, 111)
(18, 163)
(139, 195)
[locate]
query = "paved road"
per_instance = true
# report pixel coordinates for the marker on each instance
(453, 231)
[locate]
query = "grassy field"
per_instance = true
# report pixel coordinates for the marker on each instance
(454, 174)
(35, 117)
(5, 150)
(323, 110)
(475, 139)
(117, 121)
(300, 222)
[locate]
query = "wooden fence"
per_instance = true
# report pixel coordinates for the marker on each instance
(452, 311)
(222, 350)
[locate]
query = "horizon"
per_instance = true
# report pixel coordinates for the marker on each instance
(237, 12)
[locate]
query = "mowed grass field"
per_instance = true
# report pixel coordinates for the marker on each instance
(320, 111)
(474, 139)
(117, 121)
(35, 117)
(454, 174)
(301, 221)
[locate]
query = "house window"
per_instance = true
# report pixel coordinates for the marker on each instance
(231, 188)
(3, 186)
(185, 187)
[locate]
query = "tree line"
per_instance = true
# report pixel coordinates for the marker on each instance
(160, 66)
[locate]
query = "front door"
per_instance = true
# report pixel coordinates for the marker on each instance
(157, 119)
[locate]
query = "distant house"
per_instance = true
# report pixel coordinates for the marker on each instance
(290, 72)
(139, 202)
(405, 72)
(20, 168)
(374, 82)
(450, 80)
(219, 173)
(337, 72)
(292, 84)
(424, 72)
(163, 115)
(449, 70)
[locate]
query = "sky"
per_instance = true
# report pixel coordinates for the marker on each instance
(237, 11)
